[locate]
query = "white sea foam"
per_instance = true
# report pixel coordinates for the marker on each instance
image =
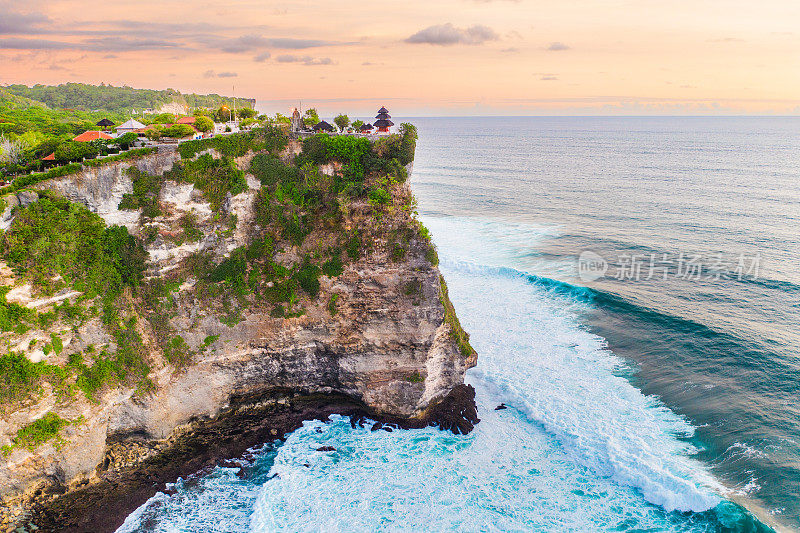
(533, 348)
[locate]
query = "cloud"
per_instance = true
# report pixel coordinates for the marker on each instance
(19, 23)
(260, 58)
(549, 78)
(447, 35)
(15, 43)
(213, 74)
(510, 50)
(305, 60)
(104, 44)
(300, 44)
(247, 43)
(557, 47)
(116, 44)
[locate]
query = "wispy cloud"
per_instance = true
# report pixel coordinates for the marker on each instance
(214, 74)
(305, 60)
(557, 47)
(260, 58)
(12, 23)
(447, 34)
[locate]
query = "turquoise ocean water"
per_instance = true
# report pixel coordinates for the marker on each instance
(656, 392)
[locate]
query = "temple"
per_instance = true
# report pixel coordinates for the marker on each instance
(383, 123)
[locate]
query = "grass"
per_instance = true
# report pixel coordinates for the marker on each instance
(38, 432)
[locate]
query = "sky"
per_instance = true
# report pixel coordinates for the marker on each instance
(442, 57)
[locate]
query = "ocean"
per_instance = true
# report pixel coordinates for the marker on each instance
(632, 288)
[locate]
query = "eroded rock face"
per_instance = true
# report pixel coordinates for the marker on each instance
(387, 347)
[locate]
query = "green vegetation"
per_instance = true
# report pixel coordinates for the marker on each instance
(21, 378)
(54, 243)
(342, 121)
(38, 432)
(12, 315)
(456, 331)
(191, 232)
(23, 182)
(270, 138)
(146, 191)
(332, 308)
(215, 178)
(415, 378)
(112, 99)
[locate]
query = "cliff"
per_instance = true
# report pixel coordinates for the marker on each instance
(166, 313)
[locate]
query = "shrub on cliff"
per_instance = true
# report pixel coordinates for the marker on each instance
(54, 243)
(269, 138)
(146, 190)
(215, 178)
(74, 151)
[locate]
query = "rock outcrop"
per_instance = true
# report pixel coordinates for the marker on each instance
(376, 341)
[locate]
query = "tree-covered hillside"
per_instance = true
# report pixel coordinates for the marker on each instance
(84, 97)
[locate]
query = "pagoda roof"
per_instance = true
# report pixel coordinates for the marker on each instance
(105, 123)
(383, 110)
(91, 135)
(383, 115)
(365, 127)
(383, 123)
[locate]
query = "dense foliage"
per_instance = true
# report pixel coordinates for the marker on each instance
(215, 178)
(269, 138)
(54, 243)
(115, 99)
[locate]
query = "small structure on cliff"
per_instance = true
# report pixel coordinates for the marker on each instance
(105, 123)
(323, 126)
(383, 123)
(297, 121)
(130, 126)
(91, 135)
(365, 128)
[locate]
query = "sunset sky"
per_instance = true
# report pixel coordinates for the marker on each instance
(444, 57)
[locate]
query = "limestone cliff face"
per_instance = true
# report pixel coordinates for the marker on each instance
(377, 333)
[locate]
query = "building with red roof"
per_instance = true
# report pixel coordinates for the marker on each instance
(91, 135)
(187, 120)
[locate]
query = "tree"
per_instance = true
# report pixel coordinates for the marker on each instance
(164, 118)
(74, 151)
(178, 131)
(342, 121)
(357, 124)
(127, 140)
(204, 124)
(246, 112)
(223, 114)
(310, 117)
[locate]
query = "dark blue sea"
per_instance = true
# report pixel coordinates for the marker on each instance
(632, 286)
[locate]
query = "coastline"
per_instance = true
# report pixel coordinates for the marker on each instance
(104, 504)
